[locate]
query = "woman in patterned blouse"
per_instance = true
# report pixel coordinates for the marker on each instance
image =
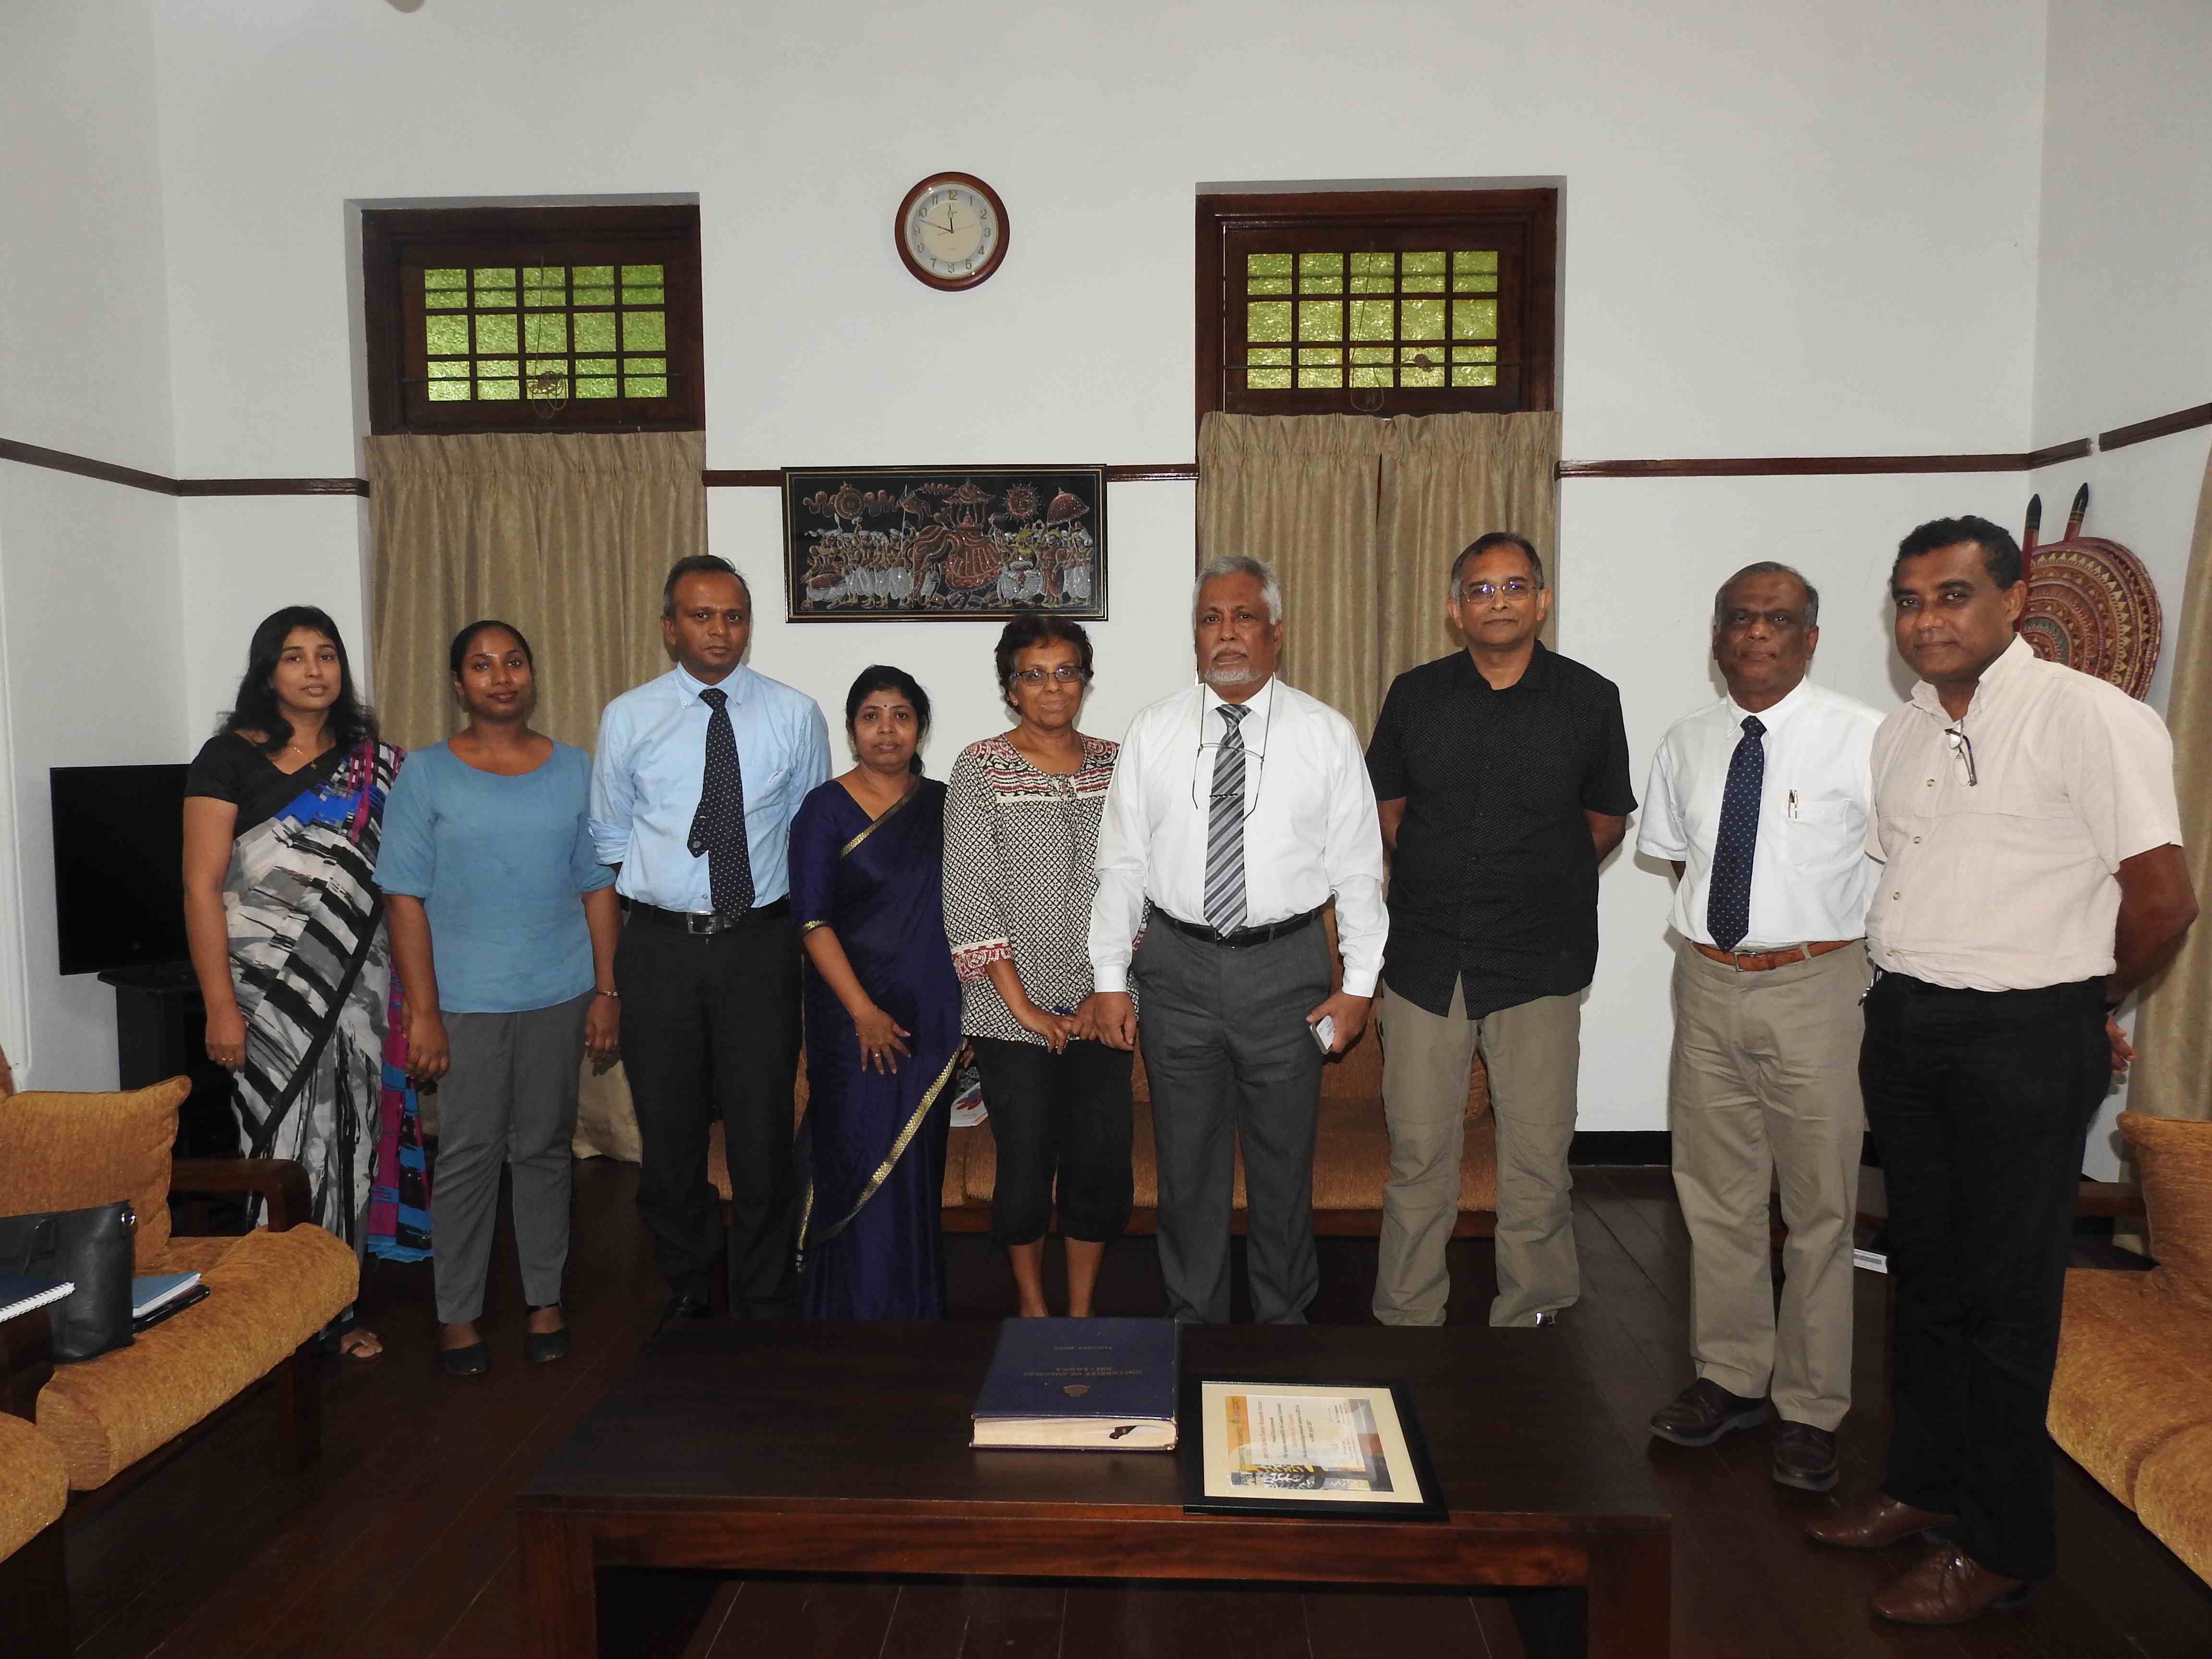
(1021, 842)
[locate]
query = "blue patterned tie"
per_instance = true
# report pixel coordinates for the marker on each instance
(718, 828)
(1727, 895)
(1225, 829)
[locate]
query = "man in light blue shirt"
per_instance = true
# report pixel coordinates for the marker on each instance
(696, 779)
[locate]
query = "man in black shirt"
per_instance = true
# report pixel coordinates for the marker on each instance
(1501, 773)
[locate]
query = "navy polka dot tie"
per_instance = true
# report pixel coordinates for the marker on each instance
(718, 828)
(1727, 895)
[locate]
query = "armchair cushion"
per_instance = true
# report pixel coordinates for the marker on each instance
(71, 1152)
(2175, 1157)
(2134, 1370)
(2173, 1496)
(267, 1293)
(33, 1484)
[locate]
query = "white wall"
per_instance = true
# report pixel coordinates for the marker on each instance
(1789, 229)
(89, 586)
(2123, 324)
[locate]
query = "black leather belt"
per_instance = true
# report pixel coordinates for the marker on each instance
(704, 923)
(1242, 936)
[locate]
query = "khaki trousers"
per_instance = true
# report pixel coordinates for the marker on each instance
(1531, 1053)
(1764, 1090)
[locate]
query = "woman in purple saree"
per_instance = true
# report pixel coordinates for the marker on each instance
(882, 1017)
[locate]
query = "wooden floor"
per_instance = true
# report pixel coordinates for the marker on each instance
(399, 1543)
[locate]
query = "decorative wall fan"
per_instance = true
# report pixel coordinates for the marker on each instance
(2090, 604)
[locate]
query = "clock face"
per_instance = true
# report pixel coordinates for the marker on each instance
(952, 230)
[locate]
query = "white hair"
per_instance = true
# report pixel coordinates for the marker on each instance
(1241, 564)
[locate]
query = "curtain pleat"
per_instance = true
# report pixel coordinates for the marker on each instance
(2173, 1074)
(1361, 518)
(567, 536)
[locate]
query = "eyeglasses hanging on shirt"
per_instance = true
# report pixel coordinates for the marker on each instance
(1962, 751)
(1202, 762)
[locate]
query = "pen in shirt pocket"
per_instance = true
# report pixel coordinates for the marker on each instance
(1793, 802)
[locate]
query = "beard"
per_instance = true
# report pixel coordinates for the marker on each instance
(1237, 673)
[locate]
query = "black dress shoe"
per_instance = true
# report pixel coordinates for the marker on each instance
(682, 1305)
(1704, 1412)
(544, 1347)
(471, 1361)
(1804, 1456)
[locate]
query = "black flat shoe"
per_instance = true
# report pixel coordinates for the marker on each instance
(471, 1361)
(544, 1347)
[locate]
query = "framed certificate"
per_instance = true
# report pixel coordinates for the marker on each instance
(1264, 1446)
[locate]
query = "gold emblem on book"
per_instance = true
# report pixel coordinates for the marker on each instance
(1075, 1390)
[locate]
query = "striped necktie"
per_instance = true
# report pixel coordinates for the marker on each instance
(1225, 829)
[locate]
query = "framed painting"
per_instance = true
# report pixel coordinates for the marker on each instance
(944, 544)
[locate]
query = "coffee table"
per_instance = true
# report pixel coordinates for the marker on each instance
(842, 1448)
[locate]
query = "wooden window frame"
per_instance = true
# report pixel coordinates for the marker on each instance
(399, 244)
(1521, 224)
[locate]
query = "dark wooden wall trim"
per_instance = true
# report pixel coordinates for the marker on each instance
(60, 460)
(1750, 466)
(272, 486)
(2181, 419)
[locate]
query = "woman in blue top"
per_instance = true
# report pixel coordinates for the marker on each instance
(503, 921)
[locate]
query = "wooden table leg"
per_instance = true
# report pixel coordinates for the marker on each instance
(560, 1598)
(1631, 1596)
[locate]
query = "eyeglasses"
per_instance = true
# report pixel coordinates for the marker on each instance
(1962, 750)
(1066, 674)
(1256, 761)
(1514, 588)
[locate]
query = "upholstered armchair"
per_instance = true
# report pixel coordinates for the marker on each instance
(269, 1292)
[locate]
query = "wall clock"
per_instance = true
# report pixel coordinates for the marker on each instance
(951, 231)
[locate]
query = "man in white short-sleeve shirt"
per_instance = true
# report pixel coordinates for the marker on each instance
(2032, 875)
(1759, 802)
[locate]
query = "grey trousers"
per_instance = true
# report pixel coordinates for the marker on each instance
(1531, 1053)
(1764, 1090)
(509, 1097)
(1228, 1053)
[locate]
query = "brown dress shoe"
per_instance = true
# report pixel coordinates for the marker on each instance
(1704, 1412)
(1874, 1523)
(1947, 1587)
(1804, 1456)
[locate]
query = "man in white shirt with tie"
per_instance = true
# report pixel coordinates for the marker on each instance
(1238, 809)
(1760, 802)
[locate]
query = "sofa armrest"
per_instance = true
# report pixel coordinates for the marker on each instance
(282, 1182)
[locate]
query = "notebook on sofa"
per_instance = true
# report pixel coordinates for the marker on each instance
(21, 1293)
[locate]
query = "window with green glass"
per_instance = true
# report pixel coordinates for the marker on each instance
(1425, 318)
(513, 319)
(546, 333)
(1377, 301)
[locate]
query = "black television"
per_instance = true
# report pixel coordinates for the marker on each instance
(118, 866)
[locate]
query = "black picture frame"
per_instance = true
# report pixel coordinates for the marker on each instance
(944, 544)
(1193, 1444)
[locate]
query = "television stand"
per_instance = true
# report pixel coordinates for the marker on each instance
(161, 1026)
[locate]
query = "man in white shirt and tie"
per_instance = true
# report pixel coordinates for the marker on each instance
(1760, 802)
(1238, 809)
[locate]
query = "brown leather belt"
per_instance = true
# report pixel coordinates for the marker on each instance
(1758, 962)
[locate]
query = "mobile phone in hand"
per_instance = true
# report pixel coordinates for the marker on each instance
(1324, 1032)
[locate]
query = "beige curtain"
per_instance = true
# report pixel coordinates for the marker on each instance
(568, 536)
(2173, 1077)
(1299, 492)
(1362, 518)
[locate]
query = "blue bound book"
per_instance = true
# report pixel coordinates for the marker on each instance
(21, 1293)
(1080, 1385)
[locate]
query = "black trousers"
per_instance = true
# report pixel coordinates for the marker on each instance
(1980, 1102)
(710, 1028)
(1062, 1125)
